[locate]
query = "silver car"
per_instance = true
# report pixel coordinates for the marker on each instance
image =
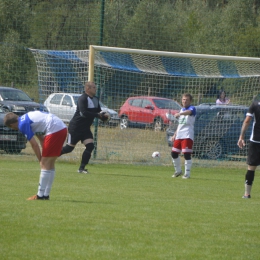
(64, 106)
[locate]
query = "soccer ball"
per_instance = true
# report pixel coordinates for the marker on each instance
(156, 155)
(108, 116)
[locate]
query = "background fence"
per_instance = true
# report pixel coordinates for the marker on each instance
(198, 26)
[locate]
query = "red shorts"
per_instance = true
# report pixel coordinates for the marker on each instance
(53, 143)
(182, 145)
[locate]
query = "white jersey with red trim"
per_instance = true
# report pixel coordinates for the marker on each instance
(39, 123)
(186, 124)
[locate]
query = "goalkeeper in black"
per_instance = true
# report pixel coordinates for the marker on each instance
(88, 109)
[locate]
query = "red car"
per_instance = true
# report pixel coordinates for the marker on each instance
(144, 111)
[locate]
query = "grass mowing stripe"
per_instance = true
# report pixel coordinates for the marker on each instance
(128, 212)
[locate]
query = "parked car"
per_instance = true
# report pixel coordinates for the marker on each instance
(145, 111)
(64, 106)
(11, 141)
(216, 130)
(18, 102)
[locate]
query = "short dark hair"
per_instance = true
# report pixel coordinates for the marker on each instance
(188, 95)
(10, 118)
(89, 84)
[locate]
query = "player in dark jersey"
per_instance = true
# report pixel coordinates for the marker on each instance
(88, 109)
(253, 157)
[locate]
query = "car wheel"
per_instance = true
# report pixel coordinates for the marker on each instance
(213, 150)
(123, 123)
(158, 124)
(13, 151)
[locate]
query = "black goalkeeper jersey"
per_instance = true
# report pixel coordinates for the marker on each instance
(254, 111)
(87, 109)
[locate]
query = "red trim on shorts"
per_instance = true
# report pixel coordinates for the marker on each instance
(53, 143)
(184, 145)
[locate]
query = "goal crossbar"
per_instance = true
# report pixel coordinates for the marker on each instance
(172, 63)
(173, 54)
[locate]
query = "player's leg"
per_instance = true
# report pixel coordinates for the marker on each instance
(252, 161)
(72, 140)
(176, 149)
(52, 145)
(187, 150)
(86, 155)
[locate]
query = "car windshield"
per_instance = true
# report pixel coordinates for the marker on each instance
(13, 95)
(166, 104)
(223, 115)
(1, 110)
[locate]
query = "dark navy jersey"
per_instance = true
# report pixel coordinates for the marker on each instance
(254, 111)
(87, 110)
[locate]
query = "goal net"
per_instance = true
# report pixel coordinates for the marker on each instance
(152, 83)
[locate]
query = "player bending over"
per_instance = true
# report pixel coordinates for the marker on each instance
(52, 133)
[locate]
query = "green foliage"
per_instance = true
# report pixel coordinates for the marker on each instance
(127, 212)
(211, 26)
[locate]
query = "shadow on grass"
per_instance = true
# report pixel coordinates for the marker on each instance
(125, 175)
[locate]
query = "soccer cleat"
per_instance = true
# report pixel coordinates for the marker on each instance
(35, 197)
(177, 174)
(246, 197)
(185, 176)
(46, 197)
(83, 171)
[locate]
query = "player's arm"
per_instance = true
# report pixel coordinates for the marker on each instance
(84, 111)
(246, 123)
(36, 148)
(183, 113)
(41, 139)
(174, 136)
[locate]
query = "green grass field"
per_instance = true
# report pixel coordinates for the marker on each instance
(127, 212)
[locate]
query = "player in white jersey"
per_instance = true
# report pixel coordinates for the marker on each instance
(183, 137)
(52, 133)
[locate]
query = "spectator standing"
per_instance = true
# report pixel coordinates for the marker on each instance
(222, 99)
(52, 133)
(183, 137)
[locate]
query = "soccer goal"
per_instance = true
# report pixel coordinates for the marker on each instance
(150, 79)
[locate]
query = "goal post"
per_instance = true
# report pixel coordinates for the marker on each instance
(121, 73)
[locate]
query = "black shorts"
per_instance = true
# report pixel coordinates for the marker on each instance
(253, 157)
(75, 136)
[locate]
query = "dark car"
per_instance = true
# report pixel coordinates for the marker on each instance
(216, 130)
(11, 141)
(18, 102)
(146, 111)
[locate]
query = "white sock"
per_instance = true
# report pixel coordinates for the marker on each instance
(248, 189)
(49, 184)
(188, 164)
(44, 179)
(177, 164)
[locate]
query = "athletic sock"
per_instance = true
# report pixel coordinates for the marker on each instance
(85, 159)
(248, 189)
(50, 182)
(44, 179)
(177, 164)
(188, 164)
